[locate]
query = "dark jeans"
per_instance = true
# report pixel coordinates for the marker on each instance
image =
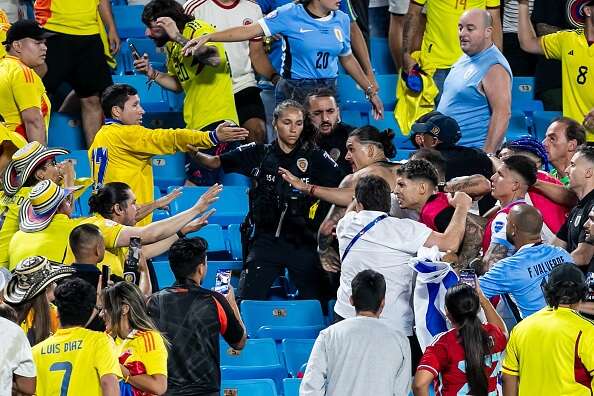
(298, 89)
(267, 259)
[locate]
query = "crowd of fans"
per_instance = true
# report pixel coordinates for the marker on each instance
(467, 268)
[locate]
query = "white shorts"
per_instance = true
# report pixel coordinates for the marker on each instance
(398, 7)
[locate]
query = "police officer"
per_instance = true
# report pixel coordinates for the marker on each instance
(285, 220)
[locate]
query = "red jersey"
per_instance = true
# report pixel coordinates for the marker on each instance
(445, 359)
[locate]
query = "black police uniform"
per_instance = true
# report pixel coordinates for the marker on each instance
(285, 221)
(572, 232)
(335, 145)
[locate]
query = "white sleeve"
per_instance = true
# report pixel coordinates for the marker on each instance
(24, 357)
(402, 378)
(316, 372)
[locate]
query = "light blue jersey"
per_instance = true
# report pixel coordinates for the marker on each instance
(521, 275)
(462, 98)
(310, 46)
(267, 6)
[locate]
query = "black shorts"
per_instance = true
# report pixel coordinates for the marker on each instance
(79, 61)
(249, 104)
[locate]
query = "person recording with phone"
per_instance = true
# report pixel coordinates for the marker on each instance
(193, 367)
(521, 274)
(467, 358)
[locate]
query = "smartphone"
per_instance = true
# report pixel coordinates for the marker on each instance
(468, 276)
(104, 276)
(131, 264)
(222, 280)
(590, 287)
(135, 53)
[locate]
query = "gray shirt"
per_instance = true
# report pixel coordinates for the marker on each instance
(359, 356)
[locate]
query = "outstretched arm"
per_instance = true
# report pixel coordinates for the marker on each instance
(526, 34)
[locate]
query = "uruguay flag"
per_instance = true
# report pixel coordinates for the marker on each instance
(433, 280)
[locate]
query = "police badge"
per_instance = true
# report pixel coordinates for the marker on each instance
(302, 164)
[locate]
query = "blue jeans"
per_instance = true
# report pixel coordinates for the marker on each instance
(298, 89)
(439, 78)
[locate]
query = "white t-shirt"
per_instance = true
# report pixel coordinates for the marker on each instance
(359, 356)
(15, 355)
(223, 16)
(385, 248)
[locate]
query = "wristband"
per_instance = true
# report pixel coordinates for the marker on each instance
(213, 137)
(180, 234)
(273, 76)
(312, 189)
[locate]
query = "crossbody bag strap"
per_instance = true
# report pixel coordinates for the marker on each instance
(361, 233)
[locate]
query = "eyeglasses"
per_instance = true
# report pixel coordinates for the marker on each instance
(49, 163)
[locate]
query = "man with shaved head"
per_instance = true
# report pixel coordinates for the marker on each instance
(520, 275)
(477, 91)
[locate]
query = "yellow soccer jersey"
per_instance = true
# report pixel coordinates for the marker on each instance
(72, 362)
(209, 90)
(552, 352)
(114, 256)
(9, 220)
(145, 353)
(130, 149)
(576, 56)
(441, 46)
(20, 89)
(52, 242)
(78, 17)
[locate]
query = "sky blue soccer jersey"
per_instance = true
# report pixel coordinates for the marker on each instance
(267, 6)
(521, 275)
(310, 46)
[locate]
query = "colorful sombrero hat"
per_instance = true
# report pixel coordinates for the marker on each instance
(45, 198)
(24, 162)
(31, 276)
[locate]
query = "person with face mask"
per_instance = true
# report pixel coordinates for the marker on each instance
(521, 274)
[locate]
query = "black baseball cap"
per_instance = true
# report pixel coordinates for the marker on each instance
(567, 272)
(440, 126)
(26, 28)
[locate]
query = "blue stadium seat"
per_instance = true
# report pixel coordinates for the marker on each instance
(252, 387)
(353, 118)
(352, 97)
(518, 126)
(234, 236)
(381, 58)
(542, 120)
(296, 354)
(213, 266)
(122, 59)
(159, 214)
(282, 319)
(387, 84)
(80, 160)
(522, 89)
(231, 207)
(235, 179)
(400, 140)
(330, 317)
(153, 99)
(258, 359)
(291, 386)
(169, 170)
(66, 131)
(217, 248)
(403, 154)
(128, 20)
(81, 205)
(163, 273)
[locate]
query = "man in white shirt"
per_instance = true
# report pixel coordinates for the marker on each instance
(369, 239)
(224, 14)
(360, 356)
(17, 361)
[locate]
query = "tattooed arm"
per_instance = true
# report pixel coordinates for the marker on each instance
(411, 30)
(474, 185)
(328, 256)
(495, 253)
(473, 239)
